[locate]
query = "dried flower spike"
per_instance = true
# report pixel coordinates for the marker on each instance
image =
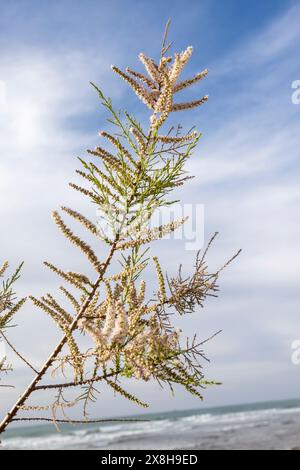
(113, 329)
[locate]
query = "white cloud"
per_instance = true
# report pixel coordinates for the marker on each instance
(247, 175)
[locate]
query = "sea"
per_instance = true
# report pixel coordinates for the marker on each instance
(259, 426)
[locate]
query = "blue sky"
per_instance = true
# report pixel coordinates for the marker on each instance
(247, 165)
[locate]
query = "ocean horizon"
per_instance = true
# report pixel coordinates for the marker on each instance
(271, 425)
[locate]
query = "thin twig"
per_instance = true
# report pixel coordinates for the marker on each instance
(230, 261)
(39, 376)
